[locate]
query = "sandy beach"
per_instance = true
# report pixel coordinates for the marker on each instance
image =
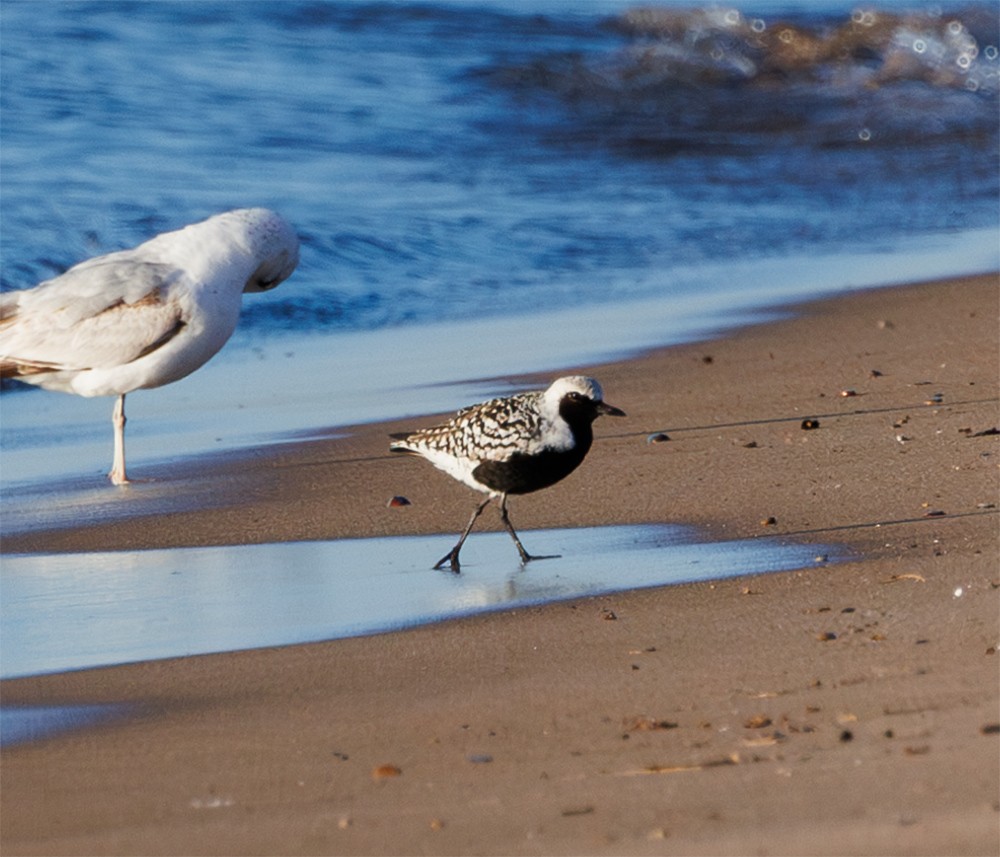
(849, 708)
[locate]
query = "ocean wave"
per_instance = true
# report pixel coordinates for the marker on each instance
(871, 48)
(721, 78)
(457, 160)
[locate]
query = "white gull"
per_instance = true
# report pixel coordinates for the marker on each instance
(144, 317)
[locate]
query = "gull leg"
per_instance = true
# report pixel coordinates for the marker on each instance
(117, 474)
(525, 556)
(452, 556)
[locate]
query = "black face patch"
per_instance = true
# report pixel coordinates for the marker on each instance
(578, 411)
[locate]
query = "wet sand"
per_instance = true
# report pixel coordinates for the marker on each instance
(849, 708)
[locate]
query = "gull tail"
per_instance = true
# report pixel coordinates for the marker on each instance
(11, 367)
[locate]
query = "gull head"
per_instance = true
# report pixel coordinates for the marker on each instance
(273, 243)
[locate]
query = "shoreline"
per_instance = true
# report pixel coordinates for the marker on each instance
(720, 420)
(849, 709)
(349, 376)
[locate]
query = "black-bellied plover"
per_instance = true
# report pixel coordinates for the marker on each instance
(513, 445)
(144, 317)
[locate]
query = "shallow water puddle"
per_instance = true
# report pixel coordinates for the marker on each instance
(23, 723)
(71, 611)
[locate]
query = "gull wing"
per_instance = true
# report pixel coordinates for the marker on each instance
(91, 287)
(102, 313)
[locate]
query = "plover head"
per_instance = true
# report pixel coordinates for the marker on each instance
(577, 398)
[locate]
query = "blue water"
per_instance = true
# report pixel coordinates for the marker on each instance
(451, 166)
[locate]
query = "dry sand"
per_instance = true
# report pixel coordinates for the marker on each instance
(842, 709)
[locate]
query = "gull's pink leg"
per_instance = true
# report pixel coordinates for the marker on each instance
(117, 474)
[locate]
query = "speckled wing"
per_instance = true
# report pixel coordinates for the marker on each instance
(104, 312)
(491, 431)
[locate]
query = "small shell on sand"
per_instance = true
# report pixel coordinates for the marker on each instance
(382, 772)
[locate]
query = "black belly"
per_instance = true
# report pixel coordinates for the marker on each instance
(522, 474)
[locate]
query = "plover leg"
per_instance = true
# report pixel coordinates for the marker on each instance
(452, 556)
(117, 474)
(525, 556)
